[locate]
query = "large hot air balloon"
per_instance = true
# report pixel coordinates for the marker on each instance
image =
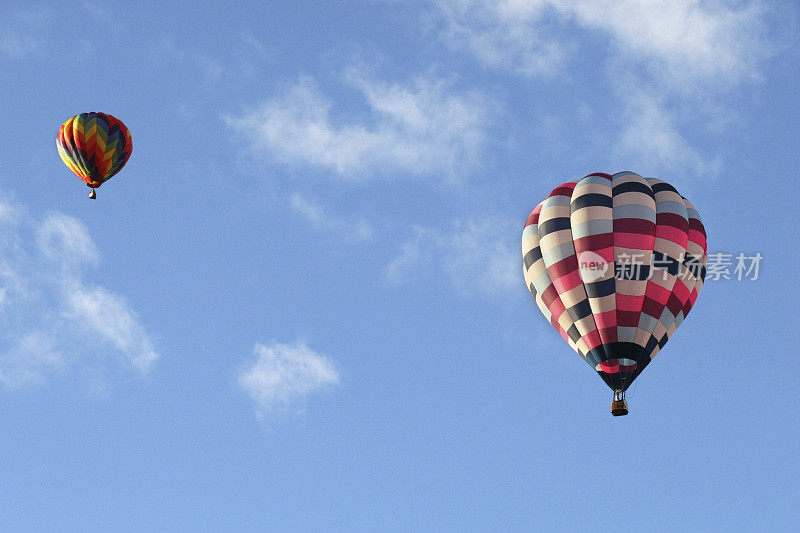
(615, 263)
(94, 146)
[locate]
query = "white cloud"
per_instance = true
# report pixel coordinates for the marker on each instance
(283, 375)
(475, 255)
(351, 230)
(502, 34)
(49, 317)
(30, 357)
(649, 137)
(413, 260)
(680, 40)
(66, 240)
(421, 128)
(691, 40)
(667, 50)
(109, 316)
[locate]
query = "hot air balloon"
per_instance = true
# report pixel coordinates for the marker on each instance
(615, 263)
(94, 146)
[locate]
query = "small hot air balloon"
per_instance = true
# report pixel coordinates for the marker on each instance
(94, 146)
(615, 263)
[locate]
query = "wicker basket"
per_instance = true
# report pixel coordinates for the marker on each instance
(619, 408)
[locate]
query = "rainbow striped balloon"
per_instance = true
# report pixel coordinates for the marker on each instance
(94, 146)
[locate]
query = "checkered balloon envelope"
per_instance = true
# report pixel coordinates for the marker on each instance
(615, 263)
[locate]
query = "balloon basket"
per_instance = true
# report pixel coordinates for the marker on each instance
(619, 408)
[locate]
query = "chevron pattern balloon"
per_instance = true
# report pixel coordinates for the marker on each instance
(94, 146)
(615, 263)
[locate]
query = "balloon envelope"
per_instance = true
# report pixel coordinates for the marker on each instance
(615, 263)
(94, 146)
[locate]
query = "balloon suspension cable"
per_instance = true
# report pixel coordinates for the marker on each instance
(93, 195)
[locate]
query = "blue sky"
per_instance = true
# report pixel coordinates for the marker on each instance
(300, 306)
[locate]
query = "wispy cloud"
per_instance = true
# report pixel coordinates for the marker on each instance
(680, 40)
(649, 137)
(504, 34)
(65, 240)
(28, 358)
(477, 256)
(421, 128)
(350, 230)
(209, 68)
(109, 316)
(256, 44)
(22, 33)
(283, 375)
(683, 41)
(665, 50)
(50, 317)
